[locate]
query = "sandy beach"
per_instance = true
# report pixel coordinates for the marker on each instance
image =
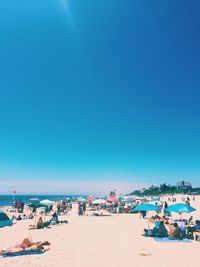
(88, 241)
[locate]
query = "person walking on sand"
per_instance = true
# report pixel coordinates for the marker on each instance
(84, 208)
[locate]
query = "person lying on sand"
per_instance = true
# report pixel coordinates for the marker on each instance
(101, 214)
(27, 245)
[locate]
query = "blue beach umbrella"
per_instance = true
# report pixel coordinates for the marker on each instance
(147, 207)
(180, 207)
(129, 200)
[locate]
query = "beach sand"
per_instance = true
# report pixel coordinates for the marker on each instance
(90, 241)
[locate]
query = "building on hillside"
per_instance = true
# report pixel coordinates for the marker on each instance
(183, 185)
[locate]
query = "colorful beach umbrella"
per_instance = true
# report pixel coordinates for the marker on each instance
(112, 200)
(90, 198)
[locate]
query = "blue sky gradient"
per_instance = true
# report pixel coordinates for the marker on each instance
(99, 90)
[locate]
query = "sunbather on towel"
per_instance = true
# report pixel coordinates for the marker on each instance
(27, 243)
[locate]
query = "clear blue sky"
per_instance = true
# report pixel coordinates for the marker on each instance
(99, 90)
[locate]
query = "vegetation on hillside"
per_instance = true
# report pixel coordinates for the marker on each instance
(165, 189)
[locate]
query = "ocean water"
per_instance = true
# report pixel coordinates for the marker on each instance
(6, 200)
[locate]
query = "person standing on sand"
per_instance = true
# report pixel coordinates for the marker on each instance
(84, 208)
(58, 208)
(22, 206)
(79, 209)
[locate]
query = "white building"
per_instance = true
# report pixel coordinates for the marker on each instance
(183, 185)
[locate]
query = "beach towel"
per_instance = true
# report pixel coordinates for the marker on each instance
(167, 239)
(22, 253)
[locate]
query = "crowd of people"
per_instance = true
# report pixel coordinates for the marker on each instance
(81, 208)
(164, 226)
(63, 207)
(19, 206)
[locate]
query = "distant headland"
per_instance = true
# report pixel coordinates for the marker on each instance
(181, 187)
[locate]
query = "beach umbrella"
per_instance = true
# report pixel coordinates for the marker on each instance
(90, 198)
(47, 202)
(129, 200)
(147, 207)
(112, 199)
(34, 199)
(99, 202)
(180, 208)
(36, 205)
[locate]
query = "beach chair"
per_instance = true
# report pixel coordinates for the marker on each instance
(189, 222)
